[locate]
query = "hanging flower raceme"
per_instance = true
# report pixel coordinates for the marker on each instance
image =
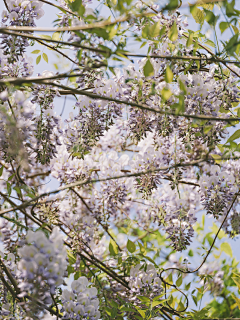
(144, 280)
(81, 302)
(42, 266)
(21, 13)
(217, 190)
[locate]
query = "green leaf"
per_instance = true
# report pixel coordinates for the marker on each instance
(168, 75)
(9, 188)
(194, 299)
(45, 57)
(77, 6)
(187, 286)
(158, 297)
(144, 299)
(56, 36)
(221, 234)
(114, 312)
(208, 6)
(131, 246)
(173, 34)
(115, 305)
(210, 43)
(190, 40)
(148, 69)
(232, 44)
(127, 309)
(234, 136)
(154, 29)
(113, 248)
(172, 5)
(179, 281)
(38, 59)
(225, 247)
(156, 303)
(45, 36)
(77, 275)
(230, 8)
(142, 313)
(71, 257)
(210, 17)
(142, 249)
(1, 171)
(237, 281)
(197, 14)
(162, 31)
(182, 86)
(235, 28)
(237, 300)
(70, 269)
(166, 93)
(36, 51)
(207, 129)
(223, 26)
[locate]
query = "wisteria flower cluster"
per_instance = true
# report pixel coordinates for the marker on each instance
(144, 281)
(42, 265)
(81, 302)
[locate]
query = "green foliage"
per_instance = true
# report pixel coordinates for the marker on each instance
(131, 246)
(148, 69)
(77, 6)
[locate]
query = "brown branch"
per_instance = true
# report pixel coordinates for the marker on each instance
(212, 59)
(5, 2)
(58, 51)
(97, 25)
(133, 104)
(73, 44)
(59, 7)
(38, 174)
(88, 181)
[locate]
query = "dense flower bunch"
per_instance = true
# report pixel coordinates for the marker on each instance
(81, 302)
(42, 265)
(21, 13)
(144, 281)
(218, 189)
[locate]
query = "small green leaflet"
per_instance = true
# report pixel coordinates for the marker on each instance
(156, 303)
(237, 281)
(225, 247)
(148, 69)
(179, 281)
(56, 36)
(142, 313)
(71, 257)
(173, 34)
(45, 57)
(168, 75)
(173, 4)
(36, 51)
(234, 136)
(131, 246)
(223, 26)
(166, 93)
(77, 6)
(113, 248)
(190, 39)
(38, 59)
(198, 15)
